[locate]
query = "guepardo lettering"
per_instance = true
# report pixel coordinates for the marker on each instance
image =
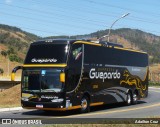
(104, 75)
(34, 60)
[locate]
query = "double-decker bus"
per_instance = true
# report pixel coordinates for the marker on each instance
(63, 75)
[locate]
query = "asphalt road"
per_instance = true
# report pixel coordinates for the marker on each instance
(146, 108)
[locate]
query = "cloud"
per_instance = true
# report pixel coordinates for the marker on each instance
(8, 1)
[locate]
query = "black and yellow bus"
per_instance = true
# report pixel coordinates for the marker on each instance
(63, 75)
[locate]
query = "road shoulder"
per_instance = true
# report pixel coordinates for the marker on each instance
(10, 109)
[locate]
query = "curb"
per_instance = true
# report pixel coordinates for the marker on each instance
(154, 88)
(10, 109)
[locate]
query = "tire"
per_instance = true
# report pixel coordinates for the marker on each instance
(134, 98)
(85, 105)
(128, 99)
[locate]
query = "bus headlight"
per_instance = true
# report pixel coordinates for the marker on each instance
(25, 99)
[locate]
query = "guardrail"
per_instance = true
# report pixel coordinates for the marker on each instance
(8, 84)
(8, 78)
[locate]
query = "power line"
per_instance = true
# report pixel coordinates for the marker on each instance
(40, 30)
(104, 4)
(65, 15)
(50, 22)
(133, 18)
(74, 19)
(123, 8)
(47, 21)
(51, 13)
(95, 22)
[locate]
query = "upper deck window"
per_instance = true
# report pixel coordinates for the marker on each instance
(47, 53)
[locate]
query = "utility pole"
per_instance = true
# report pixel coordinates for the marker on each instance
(8, 65)
(109, 31)
(114, 23)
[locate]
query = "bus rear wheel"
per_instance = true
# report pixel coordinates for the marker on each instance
(128, 99)
(85, 105)
(134, 98)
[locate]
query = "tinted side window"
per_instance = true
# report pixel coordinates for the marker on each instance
(112, 56)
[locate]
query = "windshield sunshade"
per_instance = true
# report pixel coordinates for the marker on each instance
(46, 54)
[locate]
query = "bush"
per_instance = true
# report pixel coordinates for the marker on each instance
(15, 58)
(154, 84)
(1, 71)
(4, 53)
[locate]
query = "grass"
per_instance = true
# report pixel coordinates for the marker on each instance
(154, 84)
(155, 68)
(10, 97)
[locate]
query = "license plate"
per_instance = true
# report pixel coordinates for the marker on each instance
(39, 106)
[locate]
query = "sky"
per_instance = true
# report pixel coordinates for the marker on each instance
(76, 17)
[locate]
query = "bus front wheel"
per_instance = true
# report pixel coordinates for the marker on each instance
(85, 105)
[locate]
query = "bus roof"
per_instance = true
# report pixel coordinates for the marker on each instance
(109, 46)
(65, 41)
(89, 42)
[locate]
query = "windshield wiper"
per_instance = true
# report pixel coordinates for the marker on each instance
(28, 90)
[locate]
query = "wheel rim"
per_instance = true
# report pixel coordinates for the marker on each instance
(128, 99)
(84, 104)
(135, 97)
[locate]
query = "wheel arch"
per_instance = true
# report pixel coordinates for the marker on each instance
(129, 91)
(87, 94)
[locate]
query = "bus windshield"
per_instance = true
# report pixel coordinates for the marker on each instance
(47, 53)
(44, 80)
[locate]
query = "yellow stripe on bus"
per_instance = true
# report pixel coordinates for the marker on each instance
(56, 109)
(65, 109)
(97, 103)
(90, 43)
(44, 65)
(116, 47)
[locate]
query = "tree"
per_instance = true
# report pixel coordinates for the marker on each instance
(1, 71)
(10, 51)
(4, 53)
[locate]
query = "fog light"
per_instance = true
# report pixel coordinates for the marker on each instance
(67, 103)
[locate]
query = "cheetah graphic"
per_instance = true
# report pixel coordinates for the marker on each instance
(133, 80)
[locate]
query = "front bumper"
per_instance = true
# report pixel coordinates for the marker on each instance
(61, 106)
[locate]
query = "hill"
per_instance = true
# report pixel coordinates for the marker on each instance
(14, 43)
(15, 38)
(10, 97)
(130, 38)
